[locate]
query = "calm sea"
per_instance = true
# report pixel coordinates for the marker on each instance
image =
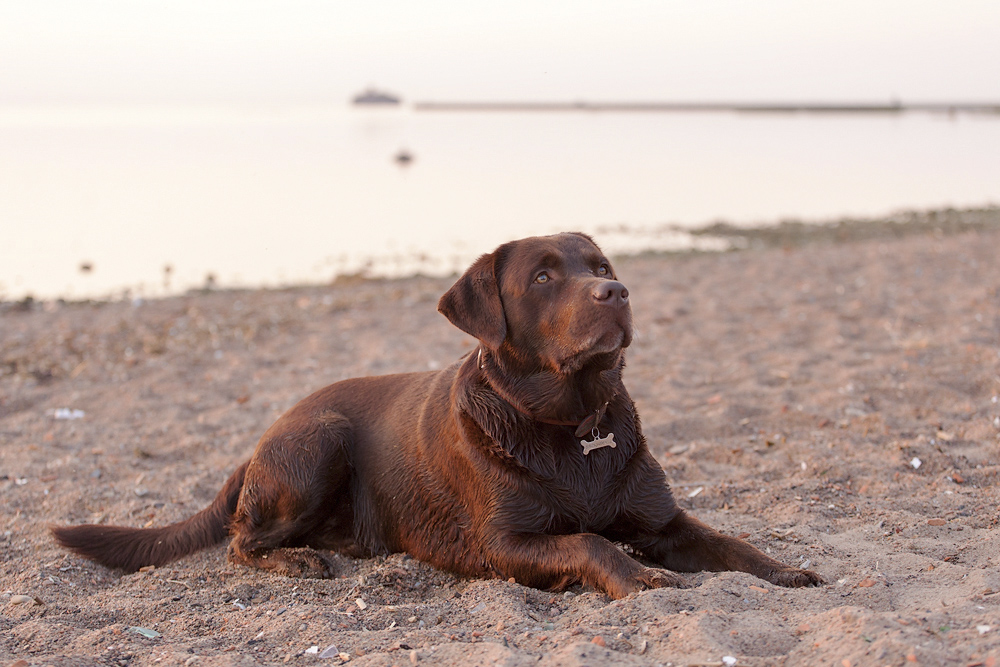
(280, 196)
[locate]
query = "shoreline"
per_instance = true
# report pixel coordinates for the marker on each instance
(720, 236)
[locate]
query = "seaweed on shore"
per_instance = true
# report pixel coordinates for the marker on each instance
(790, 233)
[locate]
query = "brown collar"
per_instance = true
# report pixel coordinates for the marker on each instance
(589, 424)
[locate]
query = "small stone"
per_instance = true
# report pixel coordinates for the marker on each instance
(866, 583)
(915, 462)
(414, 658)
(958, 479)
(936, 522)
(983, 629)
(145, 632)
(24, 599)
(362, 605)
(598, 640)
(330, 651)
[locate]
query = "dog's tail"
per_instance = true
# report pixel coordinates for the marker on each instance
(132, 548)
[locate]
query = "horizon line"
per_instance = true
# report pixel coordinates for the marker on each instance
(894, 106)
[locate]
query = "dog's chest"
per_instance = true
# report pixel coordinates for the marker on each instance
(576, 491)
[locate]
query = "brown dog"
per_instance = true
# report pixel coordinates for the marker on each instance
(524, 459)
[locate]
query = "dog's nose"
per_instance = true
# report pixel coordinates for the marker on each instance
(611, 292)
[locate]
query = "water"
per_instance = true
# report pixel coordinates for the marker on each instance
(290, 195)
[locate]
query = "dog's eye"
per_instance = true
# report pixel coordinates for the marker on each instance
(542, 277)
(603, 270)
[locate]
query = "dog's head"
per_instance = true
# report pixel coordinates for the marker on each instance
(550, 301)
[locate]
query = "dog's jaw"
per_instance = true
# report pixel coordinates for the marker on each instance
(613, 341)
(610, 348)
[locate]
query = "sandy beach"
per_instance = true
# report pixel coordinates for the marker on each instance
(831, 398)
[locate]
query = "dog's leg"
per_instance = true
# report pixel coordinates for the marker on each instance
(687, 545)
(289, 494)
(556, 561)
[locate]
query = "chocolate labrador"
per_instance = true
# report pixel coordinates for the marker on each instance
(523, 459)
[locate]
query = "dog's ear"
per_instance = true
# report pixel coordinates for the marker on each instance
(473, 303)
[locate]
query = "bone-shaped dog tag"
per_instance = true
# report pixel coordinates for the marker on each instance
(597, 443)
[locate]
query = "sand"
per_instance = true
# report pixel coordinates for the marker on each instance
(833, 402)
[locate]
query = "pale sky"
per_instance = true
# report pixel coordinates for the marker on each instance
(299, 51)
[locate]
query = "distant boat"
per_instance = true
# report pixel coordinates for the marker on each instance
(373, 96)
(403, 158)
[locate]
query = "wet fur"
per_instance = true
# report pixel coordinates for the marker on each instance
(476, 468)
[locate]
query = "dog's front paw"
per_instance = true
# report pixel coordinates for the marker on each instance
(793, 577)
(302, 562)
(652, 577)
(640, 579)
